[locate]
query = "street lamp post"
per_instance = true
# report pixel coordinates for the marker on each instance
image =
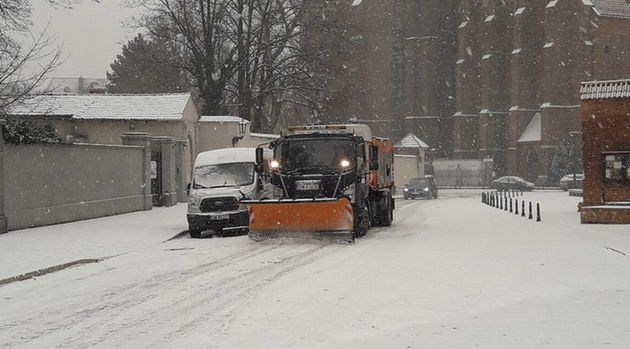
(242, 130)
(574, 139)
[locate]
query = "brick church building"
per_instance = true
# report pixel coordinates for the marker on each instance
(478, 79)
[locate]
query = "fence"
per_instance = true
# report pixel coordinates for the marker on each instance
(54, 183)
(463, 173)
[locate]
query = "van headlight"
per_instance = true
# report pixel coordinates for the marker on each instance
(194, 200)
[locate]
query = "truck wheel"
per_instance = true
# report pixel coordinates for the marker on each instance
(388, 214)
(194, 232)
(362, 222)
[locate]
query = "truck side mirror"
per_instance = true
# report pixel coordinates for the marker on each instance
(188, 189)
(259, 156)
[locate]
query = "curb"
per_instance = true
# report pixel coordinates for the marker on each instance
(49, 270)
(177, 236)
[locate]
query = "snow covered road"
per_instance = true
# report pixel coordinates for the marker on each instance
(450, 273)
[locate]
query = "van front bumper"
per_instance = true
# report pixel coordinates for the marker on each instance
(216, 221)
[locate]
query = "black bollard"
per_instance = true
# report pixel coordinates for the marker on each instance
(511, 209)
(538, 219)
(531, 216)
(522, 208)
(516, 207)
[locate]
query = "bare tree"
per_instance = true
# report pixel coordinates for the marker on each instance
(20, 49)
(247, 56)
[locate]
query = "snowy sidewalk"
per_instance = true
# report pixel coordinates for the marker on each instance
(28, 250)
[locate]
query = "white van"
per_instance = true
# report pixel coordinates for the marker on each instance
(220, 180)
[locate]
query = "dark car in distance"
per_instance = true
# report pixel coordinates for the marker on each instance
(421, 188)
(512, 183)
(571, 181)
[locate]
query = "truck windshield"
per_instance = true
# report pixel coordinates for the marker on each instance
(224, 175)
(317, 154)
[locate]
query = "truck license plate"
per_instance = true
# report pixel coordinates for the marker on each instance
(220, 217)
(307, 185)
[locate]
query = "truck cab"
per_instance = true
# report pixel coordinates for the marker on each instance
(221, 179)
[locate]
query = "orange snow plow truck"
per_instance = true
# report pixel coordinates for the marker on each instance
(328, 180)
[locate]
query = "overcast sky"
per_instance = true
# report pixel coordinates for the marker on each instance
(91, 33)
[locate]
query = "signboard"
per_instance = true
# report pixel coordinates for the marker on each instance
(617, 166)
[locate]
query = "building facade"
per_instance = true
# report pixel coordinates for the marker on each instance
(483, 79)
(606, 144)
(519, 68)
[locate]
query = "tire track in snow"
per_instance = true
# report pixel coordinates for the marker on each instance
(148, 306)
(121, 296)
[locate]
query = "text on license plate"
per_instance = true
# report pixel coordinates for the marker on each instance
(220, 217)
(307, 185)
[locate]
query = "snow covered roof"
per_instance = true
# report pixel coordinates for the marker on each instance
(226, 156)
(222, 118)
(411, 141)
(533, 132)
(264, 135)
(612, 8)
(106, 106)
(605, 89)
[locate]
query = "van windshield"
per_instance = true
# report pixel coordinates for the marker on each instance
(224, 175)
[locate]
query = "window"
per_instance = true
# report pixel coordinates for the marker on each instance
(617, 166)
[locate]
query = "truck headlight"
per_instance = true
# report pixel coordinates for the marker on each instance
(426, 189)
(406, 189)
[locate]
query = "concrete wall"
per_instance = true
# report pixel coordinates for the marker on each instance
(471, 173)
(215, 135)
(51, 183)
(406, 167)
(3, 218)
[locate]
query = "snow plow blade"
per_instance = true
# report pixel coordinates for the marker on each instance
(301, 218)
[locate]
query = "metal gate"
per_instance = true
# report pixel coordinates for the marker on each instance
(156, 178)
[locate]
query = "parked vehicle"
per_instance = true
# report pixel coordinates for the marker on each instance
(571, 181)
(329, 179)
(221, 180)
(512, 183)
(421, 188)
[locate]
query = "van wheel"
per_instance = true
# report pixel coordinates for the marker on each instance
(194, 232)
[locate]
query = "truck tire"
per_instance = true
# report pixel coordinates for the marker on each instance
(384, 208)
(362, 221)
(388, 215)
